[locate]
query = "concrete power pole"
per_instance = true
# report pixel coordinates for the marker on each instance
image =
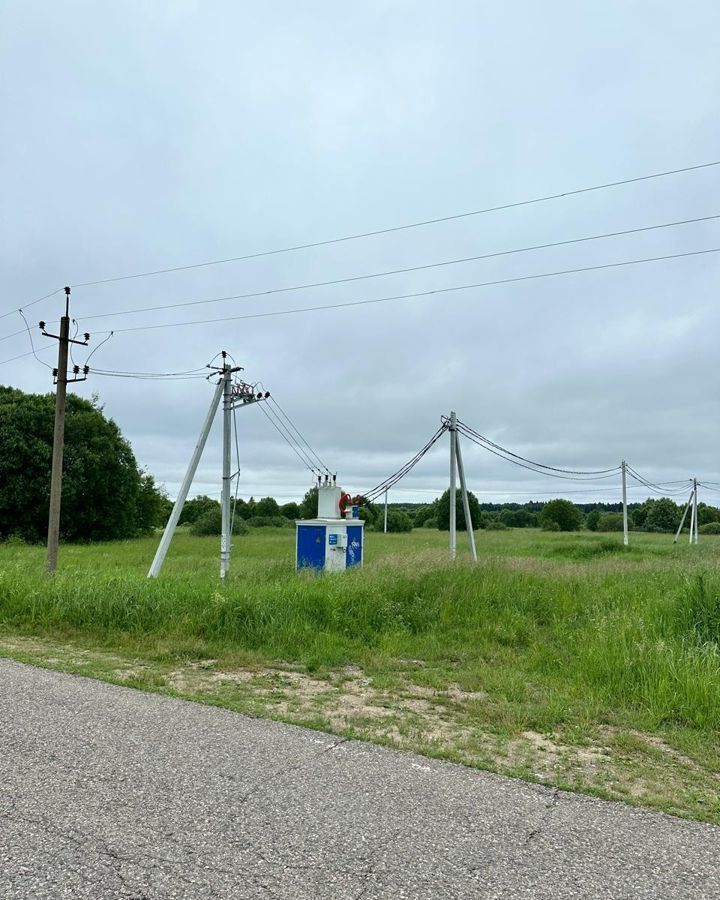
(466, 500)
(385, 518)
(226, 537)
(684, 515)
(693, 511)
(56, 474)
(626, 538)
(233, 397)
(185, 486)
(453, 478)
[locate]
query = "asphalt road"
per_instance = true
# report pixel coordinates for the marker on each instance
(107, 792)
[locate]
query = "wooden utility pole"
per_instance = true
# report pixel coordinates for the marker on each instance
(61, 376)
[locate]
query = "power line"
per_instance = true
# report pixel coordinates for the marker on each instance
(657, 488)
(420, 224)
(531, 467)
(32, 343)
(396, 297)
(393, 479)
(289, 440)
(14, 334)
(297, 432)
(31, 303)
(418, 294)
(532, 462)
(401, 271)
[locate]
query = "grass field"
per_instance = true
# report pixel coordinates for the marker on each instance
(561, 658)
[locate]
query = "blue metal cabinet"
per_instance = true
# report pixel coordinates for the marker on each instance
(354, 552)
(311, 547)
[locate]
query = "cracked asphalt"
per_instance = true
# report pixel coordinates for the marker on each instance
(107, 792)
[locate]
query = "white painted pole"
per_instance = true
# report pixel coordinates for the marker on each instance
(185, 487)
(465, 498)
(226, 537)
(695, 486)
(385, 520)
(453, 490)
(626, 537)
(693, 497)
(684, 516)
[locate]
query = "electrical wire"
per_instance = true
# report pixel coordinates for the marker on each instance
(652, 486)
(287, 437)
(419, 224)
(402, 271)
(95, 350)
(531, 462)
(32, 344)
(198, 373)
(31, 303)
(550, 474)
(302, 438)
(14, 334)
(393, 479)
(418, 294)
(29, 353)
(146, 377)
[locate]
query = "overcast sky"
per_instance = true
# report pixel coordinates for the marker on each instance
(138, 136)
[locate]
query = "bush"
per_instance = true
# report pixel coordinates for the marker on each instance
(210, 523)
(397, 522)
(610, 521)
(563, 513)
(517, 518)
(269, 522)
(709, 528)
(550, 526)
(592, 520)
(430, 523)
(496, 525)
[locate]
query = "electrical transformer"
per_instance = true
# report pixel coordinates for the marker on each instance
(333, 542)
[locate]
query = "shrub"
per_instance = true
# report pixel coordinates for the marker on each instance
(269, 522)
(709, 528)
(430, 523)
(563, 513)
(610, 521)
(496, 525)
(548, 525)
(592, 520)
(517, 518)
(397, 521)
(210, 523)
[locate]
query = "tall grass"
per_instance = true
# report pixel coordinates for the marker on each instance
(577, 619)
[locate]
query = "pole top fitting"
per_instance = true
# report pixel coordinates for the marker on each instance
(67, 290)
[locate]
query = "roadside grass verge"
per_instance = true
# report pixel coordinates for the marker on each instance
(559, 658)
